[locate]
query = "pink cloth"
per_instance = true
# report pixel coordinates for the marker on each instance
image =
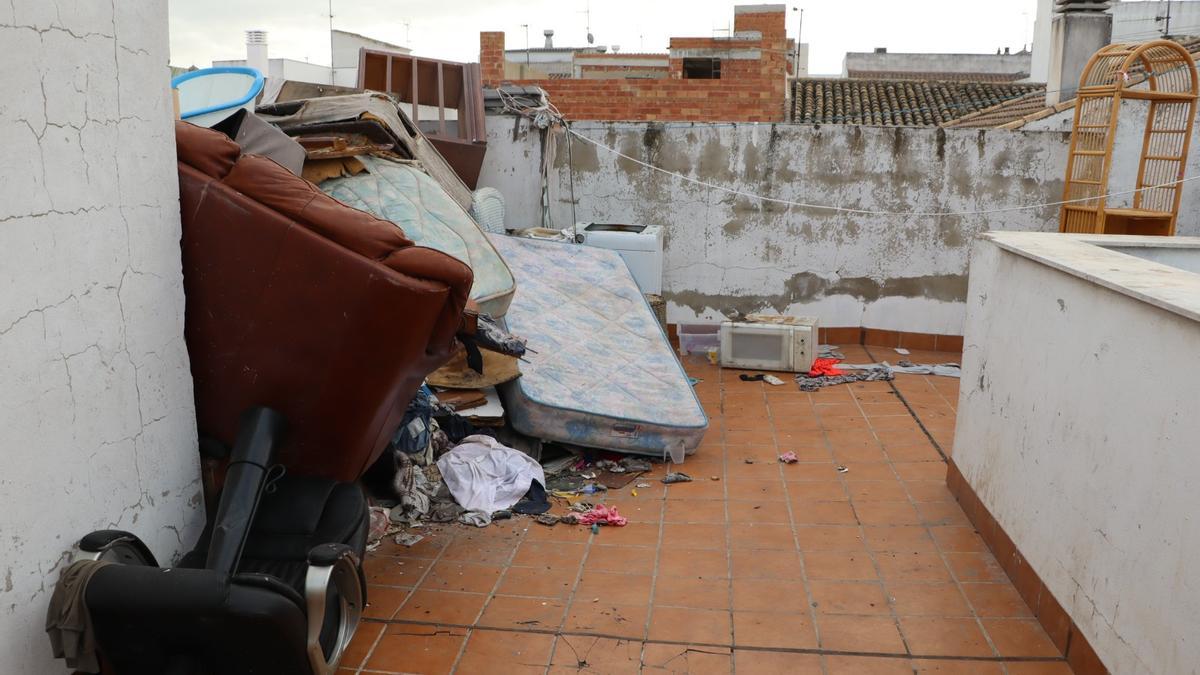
(603, 515)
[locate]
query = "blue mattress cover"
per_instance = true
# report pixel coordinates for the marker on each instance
(604, 374)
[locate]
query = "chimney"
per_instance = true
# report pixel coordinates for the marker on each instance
(1006, 52)
(1078, 30)
(616, 48)
(256, 51)
(881, 50)
(549, 38)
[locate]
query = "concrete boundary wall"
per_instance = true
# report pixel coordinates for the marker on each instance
(727, 252)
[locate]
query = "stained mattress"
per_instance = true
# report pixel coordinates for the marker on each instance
(404, 194)
(604, 375)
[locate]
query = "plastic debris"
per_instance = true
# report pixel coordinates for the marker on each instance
(633, 493)
(603, 515)
(593, 488)
(841, 468)
(502, 514)
(789, 457)
(632, 464)
(643, 486)
(714, 478)
(408, 539)
(547, 519)
(676, 477)
(771, 379)
(596, 530)
(570, 519)
(476, 518)
(748, 460)
(902, 350)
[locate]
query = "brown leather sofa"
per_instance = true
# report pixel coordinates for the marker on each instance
(298, 302)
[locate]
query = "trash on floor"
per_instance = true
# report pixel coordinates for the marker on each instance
(830, 373)
(603, 515)
(485, 476)
(772, 380)
(408, 539)
(829, 352)
(910, 368)
(789, 457)
(676, 477)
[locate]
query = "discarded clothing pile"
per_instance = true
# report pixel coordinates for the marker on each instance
(827, 372)
(485, 476)
(910, 368)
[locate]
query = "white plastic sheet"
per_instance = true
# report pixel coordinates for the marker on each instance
(484, 475)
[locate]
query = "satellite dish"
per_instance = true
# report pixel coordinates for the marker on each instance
(591, 39)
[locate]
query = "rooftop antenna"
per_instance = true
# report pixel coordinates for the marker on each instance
(526, 27)
(588, 12)
(331, 69)
(407, 39)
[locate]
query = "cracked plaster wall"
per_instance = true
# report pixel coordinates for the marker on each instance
(727, 252)
(97, 425)
(1089, 465)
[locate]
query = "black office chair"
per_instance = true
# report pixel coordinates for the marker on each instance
(274, 585)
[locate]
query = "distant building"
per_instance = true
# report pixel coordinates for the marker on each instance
(344, 71)
(738, 77)
(882, 65)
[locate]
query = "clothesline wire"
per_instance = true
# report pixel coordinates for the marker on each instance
(868, 212)
(547, 113)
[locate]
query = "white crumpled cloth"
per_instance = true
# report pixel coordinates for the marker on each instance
(484, 475)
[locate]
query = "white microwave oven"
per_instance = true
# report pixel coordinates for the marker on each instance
(790, 346)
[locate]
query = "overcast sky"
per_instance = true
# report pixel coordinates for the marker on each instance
(204, 30)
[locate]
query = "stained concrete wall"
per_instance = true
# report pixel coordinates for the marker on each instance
(1089, 467)
(97, 427)
(729, 252)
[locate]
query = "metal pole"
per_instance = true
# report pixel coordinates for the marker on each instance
(526, 26)
(332, 70)
(799, 33)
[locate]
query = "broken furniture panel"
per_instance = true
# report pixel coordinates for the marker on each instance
(445, 101)
(372, 116)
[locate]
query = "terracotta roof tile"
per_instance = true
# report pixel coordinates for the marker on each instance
(912, 103)
(1016, 113)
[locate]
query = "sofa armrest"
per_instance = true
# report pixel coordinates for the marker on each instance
(426, 263)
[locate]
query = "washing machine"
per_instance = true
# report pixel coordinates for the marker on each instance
(641, 246)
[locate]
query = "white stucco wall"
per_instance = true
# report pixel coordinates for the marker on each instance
(97, 427)
(727, 252)
(1076, 428)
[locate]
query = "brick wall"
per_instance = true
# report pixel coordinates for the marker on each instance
(750, 90)
(491, 56)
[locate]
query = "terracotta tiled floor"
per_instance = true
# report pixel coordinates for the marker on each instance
(756, 567)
